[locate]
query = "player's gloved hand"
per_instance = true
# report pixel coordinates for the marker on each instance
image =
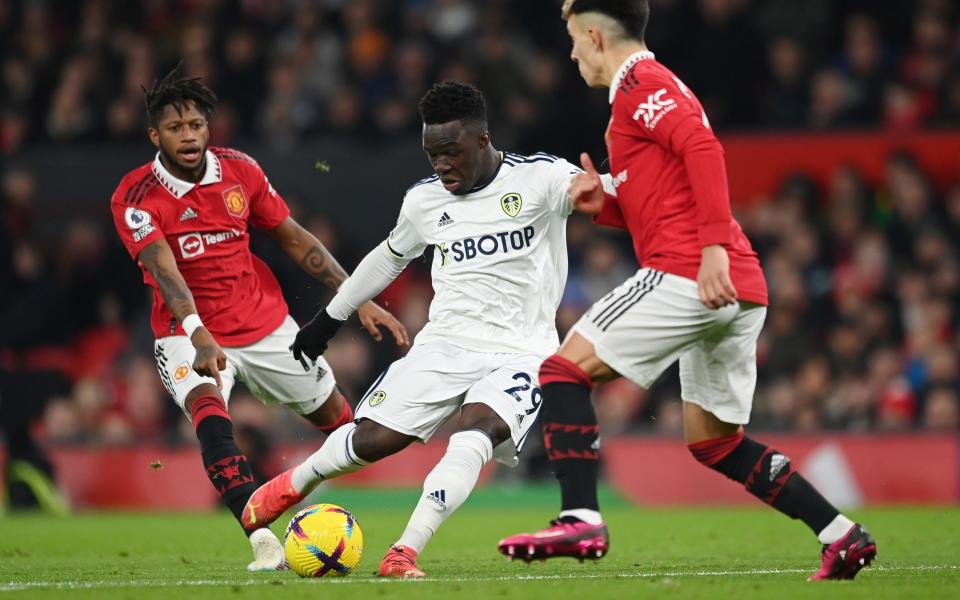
(312, 339)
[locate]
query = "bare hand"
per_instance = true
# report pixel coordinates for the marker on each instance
(586, 190)
(210, 359)
(372, 316)
(713, 279)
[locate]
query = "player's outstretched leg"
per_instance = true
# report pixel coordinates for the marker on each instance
(444, 490)
(572, 439)
(769, 475)
(346, 450)
(229, 471)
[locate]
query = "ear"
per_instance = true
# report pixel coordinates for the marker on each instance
(154, 137)
(484, 139)
(596, 37)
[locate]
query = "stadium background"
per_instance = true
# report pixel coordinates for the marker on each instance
(840, 121)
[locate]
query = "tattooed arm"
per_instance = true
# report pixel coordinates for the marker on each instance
(159, 261)
(307, 251)
(304, 248)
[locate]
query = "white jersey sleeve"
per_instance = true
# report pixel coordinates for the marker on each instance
(406, 241)
(375, 272)
(558, 176)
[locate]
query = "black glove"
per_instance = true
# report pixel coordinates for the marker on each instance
(312, 339)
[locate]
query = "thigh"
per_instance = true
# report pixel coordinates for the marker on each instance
(419, 392)
(512, 391)
(645, 324)
(268, 369)
(719, 373)
(174, 355)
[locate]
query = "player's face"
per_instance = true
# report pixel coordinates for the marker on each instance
(584, 52)
(181, 137)
(454, 151)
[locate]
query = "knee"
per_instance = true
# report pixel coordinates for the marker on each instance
(557, 369)
(496, 432)
(330, 418)
(481, 420)
(372, 441)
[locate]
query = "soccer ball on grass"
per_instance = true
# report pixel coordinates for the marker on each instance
(323, 540)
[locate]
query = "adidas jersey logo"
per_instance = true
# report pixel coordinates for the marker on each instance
(444, 220)
(189, 214)
(440, 497)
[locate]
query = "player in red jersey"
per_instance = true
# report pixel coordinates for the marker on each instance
(699, 297)
(218, 313)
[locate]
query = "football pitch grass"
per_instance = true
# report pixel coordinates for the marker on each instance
(655, 552)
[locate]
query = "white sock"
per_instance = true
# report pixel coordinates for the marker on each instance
(584, 514)
(837, 528)
(334, 458)
(447, 486)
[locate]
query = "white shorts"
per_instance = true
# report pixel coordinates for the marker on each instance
(419, 392)
(654, 318)
(266, 367)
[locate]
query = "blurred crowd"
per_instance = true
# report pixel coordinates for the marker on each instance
(862, 330)
(290, 70)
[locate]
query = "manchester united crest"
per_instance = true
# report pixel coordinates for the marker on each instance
(511, 203)
(181, 372)
(235, 200)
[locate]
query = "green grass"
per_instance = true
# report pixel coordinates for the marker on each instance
(671, 553)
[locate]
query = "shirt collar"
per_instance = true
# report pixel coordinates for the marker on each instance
(631, 60)
(180, 188)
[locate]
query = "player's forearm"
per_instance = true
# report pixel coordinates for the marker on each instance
(173, 288)
(314, 258)
(374, 273)
(176, 295)
(319, 263)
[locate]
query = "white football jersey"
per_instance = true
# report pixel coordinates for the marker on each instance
(500, 255)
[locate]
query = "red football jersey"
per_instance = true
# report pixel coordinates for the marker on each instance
(670, 179)
(205, 224)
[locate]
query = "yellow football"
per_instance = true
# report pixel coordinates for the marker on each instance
(323, 540)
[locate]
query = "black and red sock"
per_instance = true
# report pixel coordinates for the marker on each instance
(227, 467)
(571, 434)
(767, 474)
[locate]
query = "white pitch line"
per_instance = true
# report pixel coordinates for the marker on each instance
(13, 586)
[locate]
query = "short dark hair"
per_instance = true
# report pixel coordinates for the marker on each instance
(175, 90)
(451, 101)
(632, 15)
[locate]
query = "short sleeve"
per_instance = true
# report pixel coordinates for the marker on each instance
(267, 207)
(405, 241)
(138, 227)
(559, 174)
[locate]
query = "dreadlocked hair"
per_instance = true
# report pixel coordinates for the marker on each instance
(452, 101)
(176, 90)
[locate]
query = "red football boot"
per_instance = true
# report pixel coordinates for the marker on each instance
(269, 501)
(401, 562)
(575, 539)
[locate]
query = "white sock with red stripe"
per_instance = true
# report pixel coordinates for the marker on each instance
(447, 486)
(334, 458)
